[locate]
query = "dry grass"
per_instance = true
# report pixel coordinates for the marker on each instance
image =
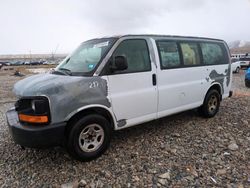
(241, 94)
(241, 50)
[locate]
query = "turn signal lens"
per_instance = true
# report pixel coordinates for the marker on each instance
(33, 119)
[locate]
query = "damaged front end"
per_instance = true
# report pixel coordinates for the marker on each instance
(46, 102)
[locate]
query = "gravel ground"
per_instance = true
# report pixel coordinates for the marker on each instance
(183, 150)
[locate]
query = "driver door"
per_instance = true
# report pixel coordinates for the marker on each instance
(133, 91)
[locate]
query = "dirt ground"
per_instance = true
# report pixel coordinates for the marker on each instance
(184, 150)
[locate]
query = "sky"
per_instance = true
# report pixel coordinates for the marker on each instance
(59, 26)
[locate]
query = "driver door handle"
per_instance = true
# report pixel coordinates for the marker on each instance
(154, 79)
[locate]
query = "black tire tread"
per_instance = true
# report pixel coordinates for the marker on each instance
(203, 110)
(75, 129)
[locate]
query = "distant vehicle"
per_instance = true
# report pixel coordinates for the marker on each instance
(235, 65)
(247, 78)
(45, 63)
(41, 62)
(34, 63)
(5, 63)
(244, 62)
(52, 63)
(18, 63)
(26, 63)
(12, 63)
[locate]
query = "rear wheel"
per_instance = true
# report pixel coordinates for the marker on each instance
(211, 104)
(89, 137)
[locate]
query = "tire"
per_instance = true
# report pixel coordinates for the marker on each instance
(247, 84)
(89, 137)
(237, 70)
(211, 104)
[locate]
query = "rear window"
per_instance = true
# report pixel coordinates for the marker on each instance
(213, 54)
(190, 53)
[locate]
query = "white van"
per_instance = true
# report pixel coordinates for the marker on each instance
(235, 65)
(113, 83)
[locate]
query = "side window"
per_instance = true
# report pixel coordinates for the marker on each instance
(212, 54)
(136, 52)
(169, 54)
(190, 52)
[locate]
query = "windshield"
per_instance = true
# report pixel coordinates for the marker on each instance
(86, 57)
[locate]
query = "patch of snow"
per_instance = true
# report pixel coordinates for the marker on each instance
(39, 70)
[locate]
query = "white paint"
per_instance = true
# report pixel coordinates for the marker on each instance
(181, 87)
(134, 98)
(93, 84)
(235, 65)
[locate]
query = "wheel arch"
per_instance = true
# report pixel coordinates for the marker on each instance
(217, 86)
(96, 109)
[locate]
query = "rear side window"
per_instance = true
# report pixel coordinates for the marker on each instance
(213, 54)
(136, 52)
(169, 54)
(190, 53)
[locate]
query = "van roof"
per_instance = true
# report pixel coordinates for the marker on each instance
(157, 36)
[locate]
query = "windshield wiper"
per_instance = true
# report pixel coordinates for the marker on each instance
(67, 60)
(59, 72)
(64, 70)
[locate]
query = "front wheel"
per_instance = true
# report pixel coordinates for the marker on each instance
(211, 104)
(89, 137)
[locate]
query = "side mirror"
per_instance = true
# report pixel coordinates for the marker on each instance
(120, 63)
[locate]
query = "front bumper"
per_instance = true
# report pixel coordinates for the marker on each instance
(35, 136)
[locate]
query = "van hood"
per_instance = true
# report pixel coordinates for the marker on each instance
(67, 94)
(43, 84)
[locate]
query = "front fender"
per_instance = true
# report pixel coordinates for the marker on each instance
(89, 107)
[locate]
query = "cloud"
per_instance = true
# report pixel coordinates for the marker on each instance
(133, 16)
(40, 26)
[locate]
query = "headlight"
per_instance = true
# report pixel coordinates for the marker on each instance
(33, 110)
(39, 106)
(33, 105)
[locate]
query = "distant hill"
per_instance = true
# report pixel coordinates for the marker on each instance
(239, 46)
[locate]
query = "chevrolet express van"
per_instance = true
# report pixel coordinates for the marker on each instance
(113, 83)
